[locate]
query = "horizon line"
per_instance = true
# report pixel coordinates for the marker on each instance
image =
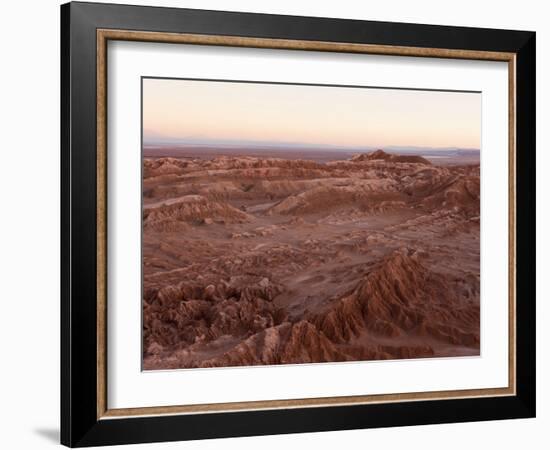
(283, 145)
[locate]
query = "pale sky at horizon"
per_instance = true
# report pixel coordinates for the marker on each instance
(325, 115)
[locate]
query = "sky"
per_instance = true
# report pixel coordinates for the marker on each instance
(195, 111)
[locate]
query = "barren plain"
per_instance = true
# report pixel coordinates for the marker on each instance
(252, 260)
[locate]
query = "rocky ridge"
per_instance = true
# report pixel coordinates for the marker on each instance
(253, 261)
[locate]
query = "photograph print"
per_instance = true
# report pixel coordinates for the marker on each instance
(290, 223)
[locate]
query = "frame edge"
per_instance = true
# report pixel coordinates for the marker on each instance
(81, 431)
(65, 187)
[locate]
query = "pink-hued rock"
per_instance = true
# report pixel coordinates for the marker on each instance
(250, 260)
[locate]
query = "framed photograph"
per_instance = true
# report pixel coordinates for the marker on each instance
(277, 224)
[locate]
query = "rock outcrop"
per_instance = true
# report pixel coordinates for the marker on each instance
(382, 155)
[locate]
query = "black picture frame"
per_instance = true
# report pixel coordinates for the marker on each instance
(80, 425)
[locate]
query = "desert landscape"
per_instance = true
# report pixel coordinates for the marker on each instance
(261, 258)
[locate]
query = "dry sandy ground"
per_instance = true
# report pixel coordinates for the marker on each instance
(250, 260)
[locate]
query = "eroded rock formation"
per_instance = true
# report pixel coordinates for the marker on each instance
(252, 260)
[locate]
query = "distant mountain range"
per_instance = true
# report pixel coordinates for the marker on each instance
(293, 146)
(431, 151)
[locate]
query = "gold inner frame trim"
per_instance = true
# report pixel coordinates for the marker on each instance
(104, 35)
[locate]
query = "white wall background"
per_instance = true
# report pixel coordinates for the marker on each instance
(29, 225)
